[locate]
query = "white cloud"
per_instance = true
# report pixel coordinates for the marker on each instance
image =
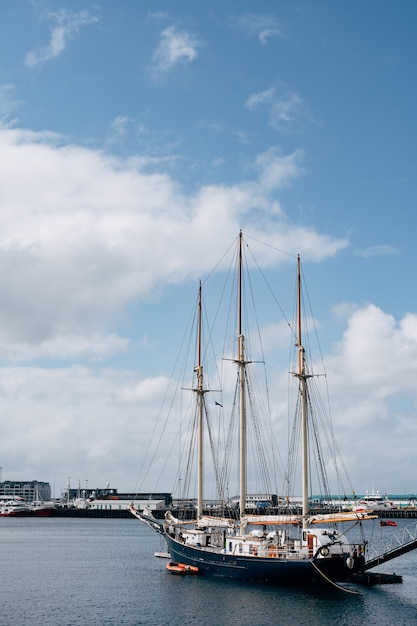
(64, 346)
(66, 26)
(7, 103)
(277, 171)
(175, 46)
(129, 135)
(371, 338)
(96, 425)
(286, 108)
(262, 26)
(381, 250)
(118, 130)
(374, 397)
(83, 234)
(57, 422)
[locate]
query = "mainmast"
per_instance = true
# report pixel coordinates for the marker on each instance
(302, 376)
(242, 383)
(200, 408)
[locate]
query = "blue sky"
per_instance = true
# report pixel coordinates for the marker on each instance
(137, 138)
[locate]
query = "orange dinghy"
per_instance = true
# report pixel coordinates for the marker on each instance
(181, 568)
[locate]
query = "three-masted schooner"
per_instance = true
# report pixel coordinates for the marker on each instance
(277, 548)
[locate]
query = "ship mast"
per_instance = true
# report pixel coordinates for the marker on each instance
(200, 409)
(302, 376)
(242, 383)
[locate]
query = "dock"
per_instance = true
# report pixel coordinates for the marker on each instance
(191, 513)
(375, 578)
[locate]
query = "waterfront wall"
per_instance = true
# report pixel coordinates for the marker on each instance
(400, 513)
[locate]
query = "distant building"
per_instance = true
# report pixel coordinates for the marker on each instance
(28, 490)
(257, 500)
(111, 500)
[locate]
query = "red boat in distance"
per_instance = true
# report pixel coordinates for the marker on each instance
(387, 522)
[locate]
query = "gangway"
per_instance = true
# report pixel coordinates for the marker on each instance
(399, 543)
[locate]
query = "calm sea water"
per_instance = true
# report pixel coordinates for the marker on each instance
(76, 572)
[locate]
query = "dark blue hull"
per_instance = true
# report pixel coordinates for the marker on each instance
(271, 570)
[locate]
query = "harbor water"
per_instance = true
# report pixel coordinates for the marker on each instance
(79, 572)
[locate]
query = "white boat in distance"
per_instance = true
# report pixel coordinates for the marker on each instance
(15, 508)
(278, 548)
(374, 501)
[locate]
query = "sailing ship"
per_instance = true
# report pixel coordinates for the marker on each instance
(39, 507)
(285, 546)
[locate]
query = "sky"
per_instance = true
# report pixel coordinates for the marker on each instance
(136, 140)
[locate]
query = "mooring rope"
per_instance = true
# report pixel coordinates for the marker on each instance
(332, 582)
